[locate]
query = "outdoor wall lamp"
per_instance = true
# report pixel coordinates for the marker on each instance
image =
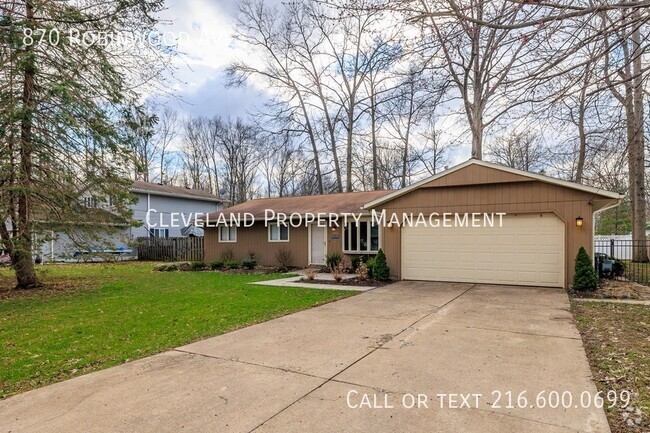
(579, 221)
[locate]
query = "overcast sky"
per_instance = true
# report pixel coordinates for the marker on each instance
(204, 30)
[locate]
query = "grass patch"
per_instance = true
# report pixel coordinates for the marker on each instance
(617, 341)
(93, 316)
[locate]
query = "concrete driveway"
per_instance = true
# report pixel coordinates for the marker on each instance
(319, 370)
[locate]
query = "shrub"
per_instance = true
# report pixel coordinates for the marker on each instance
(231, 264)
(585, 277)
(333, 259)
(227, 255)
(370, 264)
(216, 264)
(197, 265)
(163, 267)
(251, 254)
(249, 263)
(338, 271)
(283, 257)
(311, 273)
(160, 268)
(357, 259)
(380, 269)
(185, 266)
(362, 271)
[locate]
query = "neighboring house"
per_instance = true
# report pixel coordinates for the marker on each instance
(546, 221)
(164, 202)
(171, 211)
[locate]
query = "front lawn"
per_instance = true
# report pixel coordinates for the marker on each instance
(617, 341)
(92, 316)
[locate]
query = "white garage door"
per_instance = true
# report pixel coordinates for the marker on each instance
(527, 250)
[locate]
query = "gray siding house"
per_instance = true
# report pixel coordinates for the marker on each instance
(161, 210)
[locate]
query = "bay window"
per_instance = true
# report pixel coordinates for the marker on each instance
(360, 238)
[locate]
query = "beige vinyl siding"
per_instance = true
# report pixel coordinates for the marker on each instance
(255, 239)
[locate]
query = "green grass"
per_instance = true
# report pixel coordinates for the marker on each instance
(94, 316)
(617, 342)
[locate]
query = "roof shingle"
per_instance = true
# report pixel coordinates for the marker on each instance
(173, 191)
(340, 203)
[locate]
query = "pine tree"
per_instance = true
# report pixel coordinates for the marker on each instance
(60, 100)
(585, 277)
(380, 269)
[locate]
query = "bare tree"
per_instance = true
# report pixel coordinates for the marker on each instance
(166, 132)
(267, 30)
(435, 156)
(140, 122)
(352, 48)
(625, 75)
(520, 150)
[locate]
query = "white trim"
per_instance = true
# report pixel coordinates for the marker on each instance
(279, 233)
(326, 233)
(229, 241)
(542, 178)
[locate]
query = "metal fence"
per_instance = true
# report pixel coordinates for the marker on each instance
(170, 249)
(632, 254)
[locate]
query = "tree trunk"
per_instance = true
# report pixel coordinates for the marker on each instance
(21, 254)
(312, 140)
(348, 178)
(477, 140)
(636, 151)
(373, 138)
(582, 149)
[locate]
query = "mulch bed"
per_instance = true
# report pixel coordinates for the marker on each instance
(617, 289)
(349, 282)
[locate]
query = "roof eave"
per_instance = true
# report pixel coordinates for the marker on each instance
(539, 177)
(185, 196)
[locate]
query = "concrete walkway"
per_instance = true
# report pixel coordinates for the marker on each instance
(314, 371)
(298, 282)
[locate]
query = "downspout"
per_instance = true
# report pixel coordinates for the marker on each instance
(593, 222)
(148, 208)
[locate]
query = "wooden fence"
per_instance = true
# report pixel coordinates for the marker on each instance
(170, 249)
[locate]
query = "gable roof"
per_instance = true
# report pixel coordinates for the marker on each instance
(609, 195)
(173, 191)
(339, 203)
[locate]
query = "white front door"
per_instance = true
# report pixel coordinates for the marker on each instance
(317, 245)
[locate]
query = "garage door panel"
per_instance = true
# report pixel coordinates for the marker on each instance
(526, 250)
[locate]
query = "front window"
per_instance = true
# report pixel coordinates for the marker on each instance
(361, 237)
(228, 234)
(278, 233)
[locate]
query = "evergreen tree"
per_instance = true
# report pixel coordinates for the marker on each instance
(380, 269)
(60, 98)
(585, 277)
